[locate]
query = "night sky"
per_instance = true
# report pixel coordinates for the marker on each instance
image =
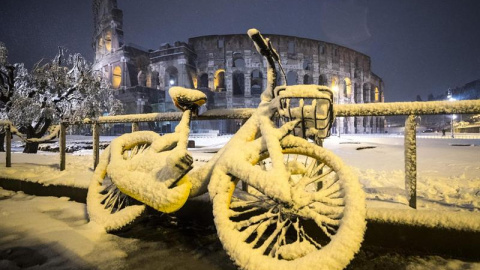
(416, 46)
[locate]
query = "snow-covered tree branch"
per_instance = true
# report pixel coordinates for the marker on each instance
(64, 88)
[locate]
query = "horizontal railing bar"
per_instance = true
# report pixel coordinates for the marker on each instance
(341, 110)
(408, 108)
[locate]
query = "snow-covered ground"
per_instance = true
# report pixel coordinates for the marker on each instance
(54, 233)
(448, 169)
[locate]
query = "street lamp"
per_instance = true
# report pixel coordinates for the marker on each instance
(450, 98)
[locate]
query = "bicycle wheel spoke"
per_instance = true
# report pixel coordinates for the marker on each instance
(335, 212)
(280, 241)
(327, 192)
(234, 213)
(279, 225)
(253, 220)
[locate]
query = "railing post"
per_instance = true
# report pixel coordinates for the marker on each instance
(96, 144)
(62, 145)
(8, 145)
(411, 160)
(135, 127)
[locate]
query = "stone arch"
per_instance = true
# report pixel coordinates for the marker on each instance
(256, 82)
(322, 80)
(291, 78)
(203, 81)
(117, 77)
(347, 87)
(171, 76)
(238, 83)
(219, 80)
(238, 60)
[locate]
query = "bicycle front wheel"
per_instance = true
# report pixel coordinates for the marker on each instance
(321, 228)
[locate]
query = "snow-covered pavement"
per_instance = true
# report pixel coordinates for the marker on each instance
(54, 233)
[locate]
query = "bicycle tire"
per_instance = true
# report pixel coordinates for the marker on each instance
(252, 230)
(106, 205)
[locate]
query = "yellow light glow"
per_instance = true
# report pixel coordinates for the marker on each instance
(348, 87)
(219, 79)
(195, 82)
(108, 41)
(376, 94)
(117, 77)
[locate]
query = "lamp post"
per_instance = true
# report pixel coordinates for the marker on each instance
(450, 98)
(336, 90)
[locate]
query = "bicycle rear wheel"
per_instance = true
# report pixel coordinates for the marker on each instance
(106, 204)
(322, 228)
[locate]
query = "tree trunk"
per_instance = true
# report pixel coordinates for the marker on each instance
(2, 142)
(31, 148)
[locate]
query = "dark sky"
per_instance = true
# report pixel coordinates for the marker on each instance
(416, 46)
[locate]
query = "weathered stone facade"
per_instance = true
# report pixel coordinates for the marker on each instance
(229, 70)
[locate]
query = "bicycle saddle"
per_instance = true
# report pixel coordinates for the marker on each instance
(187, 99)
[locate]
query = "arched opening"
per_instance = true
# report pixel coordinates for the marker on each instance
(238, 60)
(117, 77)
(171, 76)
(366, 92)
(377, 95)
(238, 83)
(322, 80)
(219, 80)
(108, 41)
(291, 47)
(334, 87)
(152, 79)
(347, 88)
(203, 81)
(100, 45)
(142, 78)
(358, 93)
(322, 49)
(291, 78)
(307, 79)
(307, 64)
(256, 82)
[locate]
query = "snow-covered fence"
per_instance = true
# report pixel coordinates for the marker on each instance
(410, 109)
(8, 142)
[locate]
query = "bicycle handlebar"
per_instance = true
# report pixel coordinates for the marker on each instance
(260, 42)
(264, 47)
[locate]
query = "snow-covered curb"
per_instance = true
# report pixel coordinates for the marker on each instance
(463, 221)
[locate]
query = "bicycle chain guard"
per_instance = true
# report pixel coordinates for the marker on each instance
(312, 104)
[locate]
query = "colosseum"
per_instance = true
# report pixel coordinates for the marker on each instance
(229, 70)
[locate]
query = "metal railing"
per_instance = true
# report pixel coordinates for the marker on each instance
(410, 109)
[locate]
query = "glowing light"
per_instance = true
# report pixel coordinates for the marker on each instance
(172, 81)
(117, 77)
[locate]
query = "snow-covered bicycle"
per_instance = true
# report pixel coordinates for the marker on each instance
(302, 208)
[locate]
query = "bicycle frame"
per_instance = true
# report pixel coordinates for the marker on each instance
(258, 130)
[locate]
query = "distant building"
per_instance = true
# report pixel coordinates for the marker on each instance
(228, 69)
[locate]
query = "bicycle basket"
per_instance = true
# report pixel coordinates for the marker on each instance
(312, 104)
